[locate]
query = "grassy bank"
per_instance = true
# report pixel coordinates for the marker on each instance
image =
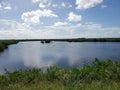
(100, 75)
(4, 44)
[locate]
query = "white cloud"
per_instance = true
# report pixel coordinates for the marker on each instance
(8, 8)
(91, 26)
(15, 30)
(43, 3)
(34, 1)
(103, 6)
(63, 4)
(0, 6)
(70, 6)
(59, 5)
(74, 17)
(5, 6)
(60, 24)
(85, 4)
(54, 5)
(12, 25)
(33, 17)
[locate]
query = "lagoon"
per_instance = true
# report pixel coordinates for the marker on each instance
(34, 54)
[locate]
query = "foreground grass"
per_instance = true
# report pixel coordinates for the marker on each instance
(95, 85)
(99, 75)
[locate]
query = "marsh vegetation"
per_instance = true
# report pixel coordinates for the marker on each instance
(99, 75)
(4, 43)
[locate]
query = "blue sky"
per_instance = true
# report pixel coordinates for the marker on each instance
(59, 18)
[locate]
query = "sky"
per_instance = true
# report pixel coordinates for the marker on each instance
(38, 19)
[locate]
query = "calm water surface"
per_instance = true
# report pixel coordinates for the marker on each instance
(36, 55)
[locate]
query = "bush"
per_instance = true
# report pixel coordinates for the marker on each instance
(96, 71)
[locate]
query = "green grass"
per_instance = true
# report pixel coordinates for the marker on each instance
(4, 44)
(99, 75)
(95, 85)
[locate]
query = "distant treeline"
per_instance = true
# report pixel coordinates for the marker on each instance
(99, 75)
(77, 40)
(4, 43)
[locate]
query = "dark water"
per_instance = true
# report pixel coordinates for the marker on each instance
(34, 54)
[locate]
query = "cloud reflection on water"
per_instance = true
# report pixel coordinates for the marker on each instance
(64, 54)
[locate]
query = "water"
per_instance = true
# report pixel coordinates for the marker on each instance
(36, 55)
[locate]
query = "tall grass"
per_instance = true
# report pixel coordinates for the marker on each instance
(95, 85)
(100, 75)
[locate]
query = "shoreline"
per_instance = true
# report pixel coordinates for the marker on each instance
(4, 43)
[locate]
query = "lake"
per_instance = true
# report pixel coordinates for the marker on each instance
(64, 54)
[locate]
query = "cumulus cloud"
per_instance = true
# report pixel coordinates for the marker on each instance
(85, 4)
(74, 17)
(60, 24)
(5, 6)
(43, 3)
(33, 17)
(34, 1)
(54, 5)
(63, 4)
